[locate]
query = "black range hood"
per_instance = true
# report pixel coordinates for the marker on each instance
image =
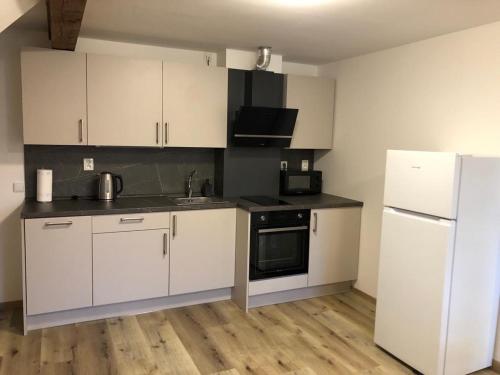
(264, 126)
(256, 116)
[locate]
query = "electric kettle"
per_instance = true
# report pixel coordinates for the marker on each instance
(108, 186)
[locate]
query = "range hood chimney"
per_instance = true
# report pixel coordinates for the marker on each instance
(263, 58)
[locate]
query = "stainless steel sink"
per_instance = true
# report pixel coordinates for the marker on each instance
(196, 200)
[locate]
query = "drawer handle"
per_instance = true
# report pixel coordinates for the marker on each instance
(80, 130)
(125, 220)
(165, 244)
(59, 224)
(174, 226)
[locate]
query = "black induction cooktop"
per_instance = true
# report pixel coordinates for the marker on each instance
(266, 201)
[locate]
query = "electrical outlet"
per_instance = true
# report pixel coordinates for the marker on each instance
(284, 165)
(18, 187)
(305, 165)
(88, 164)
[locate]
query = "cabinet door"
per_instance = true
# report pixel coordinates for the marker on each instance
(194, 105)
(334, 245)
(314, 98)
(124, 101)
(202, 250)
(58, 264)
(130, 266)
(54, 97)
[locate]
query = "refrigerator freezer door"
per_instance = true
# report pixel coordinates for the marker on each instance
(414, 288)
(424, 182)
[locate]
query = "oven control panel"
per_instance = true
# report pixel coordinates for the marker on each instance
(284, 218)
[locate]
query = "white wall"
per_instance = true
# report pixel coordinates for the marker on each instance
(440, 94)
(300, 69)
(12, 10)
(11, 157)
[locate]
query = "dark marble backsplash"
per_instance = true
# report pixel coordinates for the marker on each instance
(145, 171)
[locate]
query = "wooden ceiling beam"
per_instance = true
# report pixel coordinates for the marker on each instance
(64, 20)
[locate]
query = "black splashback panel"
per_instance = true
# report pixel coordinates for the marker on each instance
(255, 170)
(146, 171)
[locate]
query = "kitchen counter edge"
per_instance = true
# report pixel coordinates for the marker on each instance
(135, 205)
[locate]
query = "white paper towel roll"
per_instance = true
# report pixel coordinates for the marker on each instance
(44, 185)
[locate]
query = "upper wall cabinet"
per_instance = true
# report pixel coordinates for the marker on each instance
(314, 97)
(54, 97)
(194, 106)
(124, 101)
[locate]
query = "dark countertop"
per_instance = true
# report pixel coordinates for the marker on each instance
(129, 205)
(124, 205)
(302, 202)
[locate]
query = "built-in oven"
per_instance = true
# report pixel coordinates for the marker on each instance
(279, 243)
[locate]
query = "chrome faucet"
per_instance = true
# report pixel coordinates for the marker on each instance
(189, 189)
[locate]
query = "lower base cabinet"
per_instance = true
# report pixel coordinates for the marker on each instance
(58, 264)
(334, 245)
(130, 266)
(202, 250)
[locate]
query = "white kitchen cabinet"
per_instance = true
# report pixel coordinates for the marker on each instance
(334, 245)
(130, 266)
(202, 250)
(124, 101)
(314, 98)
(54, 97)
(58, 264)
(194, 106)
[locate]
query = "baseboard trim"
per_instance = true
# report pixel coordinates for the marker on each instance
(496, 366)
(364, 295)
(11, 305)
(298, 294)
(33, 322)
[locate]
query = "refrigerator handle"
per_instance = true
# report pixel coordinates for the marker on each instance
(399, 211)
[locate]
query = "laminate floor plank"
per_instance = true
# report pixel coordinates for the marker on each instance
(318, 336)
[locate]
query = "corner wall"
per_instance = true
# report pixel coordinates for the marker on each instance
(11, 157)
(441, 94)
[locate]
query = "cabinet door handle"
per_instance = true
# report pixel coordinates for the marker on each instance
(315, 227)
(166, 132)
(80, 130)
(124, 220)
(174, 225)
(165, 244)
(157, 133)
(59, 224)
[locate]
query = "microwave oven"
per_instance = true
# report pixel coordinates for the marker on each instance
(300, 183)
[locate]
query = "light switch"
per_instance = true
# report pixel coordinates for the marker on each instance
(284, 165)
(88, 164)
(305, 165)
(18, 187)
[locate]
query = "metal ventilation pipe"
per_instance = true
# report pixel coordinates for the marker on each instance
(263, 58)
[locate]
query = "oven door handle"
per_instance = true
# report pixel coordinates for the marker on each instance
(286, 229)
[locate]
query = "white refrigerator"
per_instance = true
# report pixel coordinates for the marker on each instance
(438, 288)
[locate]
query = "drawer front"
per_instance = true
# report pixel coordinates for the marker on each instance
(58, 264)
(129, 222)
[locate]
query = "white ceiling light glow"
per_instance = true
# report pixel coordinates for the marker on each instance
(302, 3)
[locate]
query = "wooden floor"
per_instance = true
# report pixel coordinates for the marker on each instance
(327, 335)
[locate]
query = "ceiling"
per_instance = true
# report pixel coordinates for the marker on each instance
(310, 31)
